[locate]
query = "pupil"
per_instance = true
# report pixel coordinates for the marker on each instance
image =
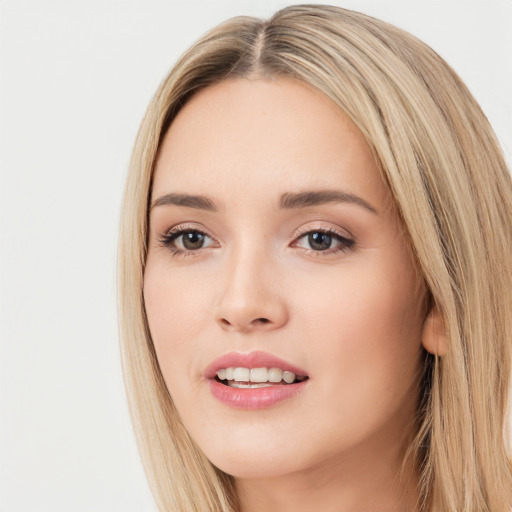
(193, 240)
(319, 241)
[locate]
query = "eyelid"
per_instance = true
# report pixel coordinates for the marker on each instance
(167, 237)
(187, 226)
(346, 241)
(343, 233)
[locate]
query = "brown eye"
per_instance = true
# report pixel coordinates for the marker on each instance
(319, 241)
(192, 240)
(324, 241)
(186, 240)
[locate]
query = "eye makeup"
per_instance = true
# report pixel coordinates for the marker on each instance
(183, 240)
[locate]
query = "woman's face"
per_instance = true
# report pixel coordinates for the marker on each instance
(274, 244)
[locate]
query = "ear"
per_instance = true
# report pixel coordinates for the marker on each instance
(434, 338)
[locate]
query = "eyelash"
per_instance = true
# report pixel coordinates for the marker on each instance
(168, 239)
(345, 244)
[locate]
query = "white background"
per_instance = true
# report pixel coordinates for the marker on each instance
(75, 79)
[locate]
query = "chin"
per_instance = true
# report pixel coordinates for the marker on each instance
(254, 462)
(256, 470)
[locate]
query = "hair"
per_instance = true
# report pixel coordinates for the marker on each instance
(445, 170)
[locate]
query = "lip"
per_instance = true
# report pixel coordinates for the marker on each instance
(253, 398)
(254, 359)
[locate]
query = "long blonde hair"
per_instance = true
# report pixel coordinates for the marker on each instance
(446, 172)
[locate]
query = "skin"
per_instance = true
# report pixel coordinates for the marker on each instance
(353, 319)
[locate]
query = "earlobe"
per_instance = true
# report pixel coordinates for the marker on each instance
(434, 338)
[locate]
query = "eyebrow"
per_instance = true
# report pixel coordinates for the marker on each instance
(287, 201)
(317, 197)
(190, 201)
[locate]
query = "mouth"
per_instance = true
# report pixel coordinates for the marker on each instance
(254, 381)
(254, 378)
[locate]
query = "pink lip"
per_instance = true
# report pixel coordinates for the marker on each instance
(254, 359)
(252, 398)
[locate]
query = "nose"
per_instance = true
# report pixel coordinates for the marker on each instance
(250, 298)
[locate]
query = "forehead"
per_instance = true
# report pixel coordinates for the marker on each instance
(264, 137)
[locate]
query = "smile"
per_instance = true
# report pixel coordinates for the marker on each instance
(241, 377)
(254, 380)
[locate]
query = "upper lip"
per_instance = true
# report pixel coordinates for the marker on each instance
(255, 359)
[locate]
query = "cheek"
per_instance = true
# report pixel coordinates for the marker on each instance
(366, 328)
(176, 311)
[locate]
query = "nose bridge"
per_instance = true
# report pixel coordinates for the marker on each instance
(249, 298)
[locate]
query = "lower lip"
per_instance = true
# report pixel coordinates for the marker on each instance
(254, 398)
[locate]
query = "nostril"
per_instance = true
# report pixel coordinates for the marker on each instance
(245, 325)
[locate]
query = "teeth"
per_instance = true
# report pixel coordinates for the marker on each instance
(241, 385)
(288, 377)
(256, 375)
(275, 375)
(242, 374)
(259, 375)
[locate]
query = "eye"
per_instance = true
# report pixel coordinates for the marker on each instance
(185, 240)
(327, 241)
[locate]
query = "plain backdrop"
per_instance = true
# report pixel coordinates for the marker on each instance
(75, 79)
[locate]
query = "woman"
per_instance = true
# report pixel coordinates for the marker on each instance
(315, 275)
